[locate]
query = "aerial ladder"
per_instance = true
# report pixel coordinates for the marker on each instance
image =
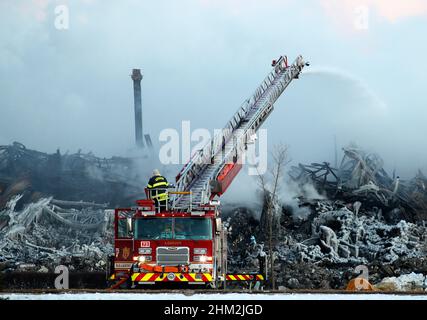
(211, 169)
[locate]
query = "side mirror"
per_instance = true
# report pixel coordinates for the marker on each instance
(218, 225)
(129, 226)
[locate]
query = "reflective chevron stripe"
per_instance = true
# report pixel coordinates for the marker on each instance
(146, 277)
(179, 277)
(190, 277)
(244, 277)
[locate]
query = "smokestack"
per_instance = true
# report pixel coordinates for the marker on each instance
(137, 77)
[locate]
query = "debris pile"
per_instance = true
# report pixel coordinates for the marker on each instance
(324, 250)
(341, 235)
(358, 215)
(75, 177)
(49, 232)
(361, 177)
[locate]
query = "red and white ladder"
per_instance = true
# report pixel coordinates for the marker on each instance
(200, 174)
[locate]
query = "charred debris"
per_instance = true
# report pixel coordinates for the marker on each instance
(73, 177)
(56, 208)
(341, 218)
(362, 178)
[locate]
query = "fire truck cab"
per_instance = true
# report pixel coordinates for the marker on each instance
(167, 246)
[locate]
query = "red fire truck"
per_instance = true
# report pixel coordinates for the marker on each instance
(185, 241)
(153, 245)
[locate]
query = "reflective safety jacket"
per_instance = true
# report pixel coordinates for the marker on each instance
(160, 183)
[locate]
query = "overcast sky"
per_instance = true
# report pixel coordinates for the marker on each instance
(201, 58)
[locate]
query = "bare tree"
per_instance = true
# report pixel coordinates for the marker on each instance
(270, 219)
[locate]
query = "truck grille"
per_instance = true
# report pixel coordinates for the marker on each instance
(168, 256)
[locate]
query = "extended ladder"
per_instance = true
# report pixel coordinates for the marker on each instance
(200, 174)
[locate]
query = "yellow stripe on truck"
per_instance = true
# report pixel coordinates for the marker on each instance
(180, 277)
(147, 277)
(161, 277)
(193, 275)
(183, 277)
(244, 277)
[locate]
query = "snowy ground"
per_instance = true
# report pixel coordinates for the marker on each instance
(231, 296)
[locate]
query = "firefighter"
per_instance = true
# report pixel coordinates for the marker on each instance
(181, 231)
(157, 186)
(167, 232)
(262, 259)
(259, 253)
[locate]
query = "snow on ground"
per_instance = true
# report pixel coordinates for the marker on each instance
(230, 296)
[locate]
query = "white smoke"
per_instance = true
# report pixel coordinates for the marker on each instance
(360, 85)
(246, 191)
(290, 194)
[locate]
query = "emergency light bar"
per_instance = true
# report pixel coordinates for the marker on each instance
(197, 213)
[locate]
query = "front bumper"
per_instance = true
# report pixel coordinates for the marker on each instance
(146, 277)
(171, 277)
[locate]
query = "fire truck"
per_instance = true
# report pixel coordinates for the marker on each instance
(184, 240)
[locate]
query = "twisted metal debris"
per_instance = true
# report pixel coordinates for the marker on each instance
(44, 235)
(359, 215)
(361, 176)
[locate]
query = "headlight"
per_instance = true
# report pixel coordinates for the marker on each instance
(200, 251)
(144, 250)
(171, 276)
(200, 258)
(142, 259)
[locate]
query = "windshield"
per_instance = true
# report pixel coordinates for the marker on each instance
(173, 228)
(193, 229)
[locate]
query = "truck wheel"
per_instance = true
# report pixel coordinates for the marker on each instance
(109, 270)
(211, 285)
(216, 284)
